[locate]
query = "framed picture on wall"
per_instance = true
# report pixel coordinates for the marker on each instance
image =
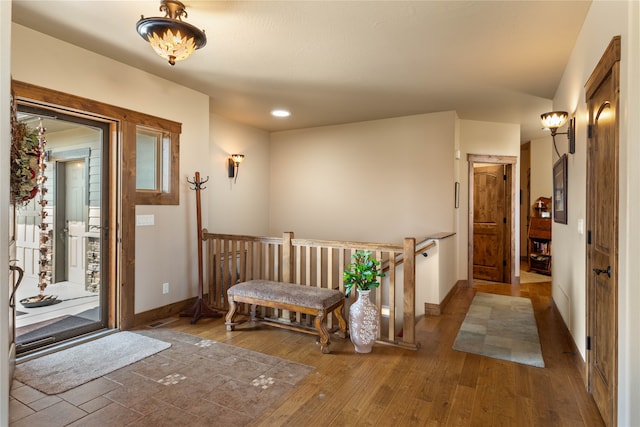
(560, 190)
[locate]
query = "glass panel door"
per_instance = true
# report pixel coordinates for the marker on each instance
(61, 234)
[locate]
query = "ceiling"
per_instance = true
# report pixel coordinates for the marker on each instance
(332, 62)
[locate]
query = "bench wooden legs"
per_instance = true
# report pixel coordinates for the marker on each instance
(323, 334)
(319, 323)
(230, 315)
(337, 313)
(233, 308)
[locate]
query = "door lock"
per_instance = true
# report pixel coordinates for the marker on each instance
(602, 270)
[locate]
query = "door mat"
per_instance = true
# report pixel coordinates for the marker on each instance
(37, 331)
(69, 368)
(502, 327)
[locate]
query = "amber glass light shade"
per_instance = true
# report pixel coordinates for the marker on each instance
(554, 119)
(170, 37)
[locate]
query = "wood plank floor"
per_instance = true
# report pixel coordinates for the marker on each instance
(434, 386)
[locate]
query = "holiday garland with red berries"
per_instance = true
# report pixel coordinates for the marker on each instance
(28, 147)
(25, 157)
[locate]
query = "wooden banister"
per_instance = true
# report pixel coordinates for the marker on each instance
(409, 291)
(233, 259)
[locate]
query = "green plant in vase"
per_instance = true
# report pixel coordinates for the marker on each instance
(363, 275)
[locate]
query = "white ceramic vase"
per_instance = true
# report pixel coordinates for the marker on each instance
(364, 321)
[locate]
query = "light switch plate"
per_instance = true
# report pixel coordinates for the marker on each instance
(144, 220)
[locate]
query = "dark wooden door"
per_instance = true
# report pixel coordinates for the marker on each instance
(489, 223)
(602, 235)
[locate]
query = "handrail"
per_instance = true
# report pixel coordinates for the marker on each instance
(420, 250)
(432, 244)
(206, 234)
(347, 244)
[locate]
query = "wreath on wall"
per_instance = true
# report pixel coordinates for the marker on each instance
(25, 160)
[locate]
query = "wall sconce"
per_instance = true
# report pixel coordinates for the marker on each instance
(234, 165)
(556, 119)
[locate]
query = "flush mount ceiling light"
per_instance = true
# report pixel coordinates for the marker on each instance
(556, 119)
(280, 113)
(171, 38)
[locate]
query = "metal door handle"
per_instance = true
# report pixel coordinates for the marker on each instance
(601, 270)
(20, 271)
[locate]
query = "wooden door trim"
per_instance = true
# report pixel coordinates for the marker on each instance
(122, 198)
(610, 57)
(510, 162)
(121, 241)
(609, 65)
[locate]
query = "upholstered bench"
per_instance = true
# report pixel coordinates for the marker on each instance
(286, 296)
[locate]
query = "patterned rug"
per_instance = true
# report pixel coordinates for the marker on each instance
(502, 327)
(228, 385)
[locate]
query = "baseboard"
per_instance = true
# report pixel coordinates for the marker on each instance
(173, 309)
(436, 309)
(577, 357)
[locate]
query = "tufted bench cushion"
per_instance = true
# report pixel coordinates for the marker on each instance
(287, 293)
(286, 296)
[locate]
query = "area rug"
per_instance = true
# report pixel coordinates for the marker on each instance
(501, 327)
(531, 277)
(209, 382)
(69, 368)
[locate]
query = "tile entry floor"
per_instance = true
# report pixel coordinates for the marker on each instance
(194, 382)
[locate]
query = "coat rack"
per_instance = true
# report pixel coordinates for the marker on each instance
(200, 308)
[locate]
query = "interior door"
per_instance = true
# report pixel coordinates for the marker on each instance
(489, 223)
(602, 235)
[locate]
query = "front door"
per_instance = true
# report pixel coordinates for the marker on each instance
(72, 194)
(489, 223)
(602, 233)
(69, 240)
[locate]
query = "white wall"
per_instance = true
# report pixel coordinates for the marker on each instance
(435, 274)
(165, 252)
(500, 139)
(382, 180)
(240, 207)
(377, 181)
(604, 20)
(542, 166)
(5, 136)
(525, 164)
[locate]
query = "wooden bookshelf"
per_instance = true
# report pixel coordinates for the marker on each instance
(540, 245)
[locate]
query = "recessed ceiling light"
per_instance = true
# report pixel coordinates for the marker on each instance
(280, 113)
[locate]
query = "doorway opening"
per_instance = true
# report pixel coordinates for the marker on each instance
(76, 251)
